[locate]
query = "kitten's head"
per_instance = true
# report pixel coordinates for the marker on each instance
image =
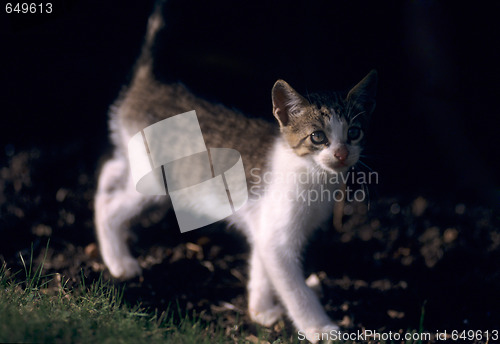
(328, 127)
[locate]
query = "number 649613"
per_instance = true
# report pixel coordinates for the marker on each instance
(25, 7)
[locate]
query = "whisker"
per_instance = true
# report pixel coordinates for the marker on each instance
(307, 95)
(365, 165)
(362, 112)
(365, 187)
(375, 156)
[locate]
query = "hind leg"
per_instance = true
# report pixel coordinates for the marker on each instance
(117, 203)
(262, 304)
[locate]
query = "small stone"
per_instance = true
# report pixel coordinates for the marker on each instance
(418, 207)
(348, 209)
(61, 194)
(395, 314)
(314, 283)
(92, 251)
(346, 322)
(450, 235)
(395, 208)
(460, 208)
(42, 230)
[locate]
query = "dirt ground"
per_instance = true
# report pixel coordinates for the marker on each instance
(377, 272)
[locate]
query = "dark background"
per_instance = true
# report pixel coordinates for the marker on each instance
(434, 141)
(435, 127)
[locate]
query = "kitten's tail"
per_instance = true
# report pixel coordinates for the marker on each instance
(144, 65)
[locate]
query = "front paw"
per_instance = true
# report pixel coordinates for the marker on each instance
(266, 317)
(125, 268)
(324, 334)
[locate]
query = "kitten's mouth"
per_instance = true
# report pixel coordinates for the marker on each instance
(338, 166)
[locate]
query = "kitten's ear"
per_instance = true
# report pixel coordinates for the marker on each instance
(287, 102)
(363, 94)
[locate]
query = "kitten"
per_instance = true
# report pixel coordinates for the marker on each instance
(323, 134)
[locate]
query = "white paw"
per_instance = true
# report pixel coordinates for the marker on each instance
(324, 334)
(266, 317)
(125, 268)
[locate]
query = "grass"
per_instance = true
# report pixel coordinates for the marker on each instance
(40, 308)
(37, 308)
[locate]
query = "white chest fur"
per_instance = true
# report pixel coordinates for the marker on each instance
(295, 192)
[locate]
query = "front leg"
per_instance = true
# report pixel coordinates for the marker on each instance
(279, 251)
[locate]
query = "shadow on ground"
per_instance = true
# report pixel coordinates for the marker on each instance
(377, 272)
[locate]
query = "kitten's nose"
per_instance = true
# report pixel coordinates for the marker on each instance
(341, 153)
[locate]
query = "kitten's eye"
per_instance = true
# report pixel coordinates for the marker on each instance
(318, 137)
(354, 133)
